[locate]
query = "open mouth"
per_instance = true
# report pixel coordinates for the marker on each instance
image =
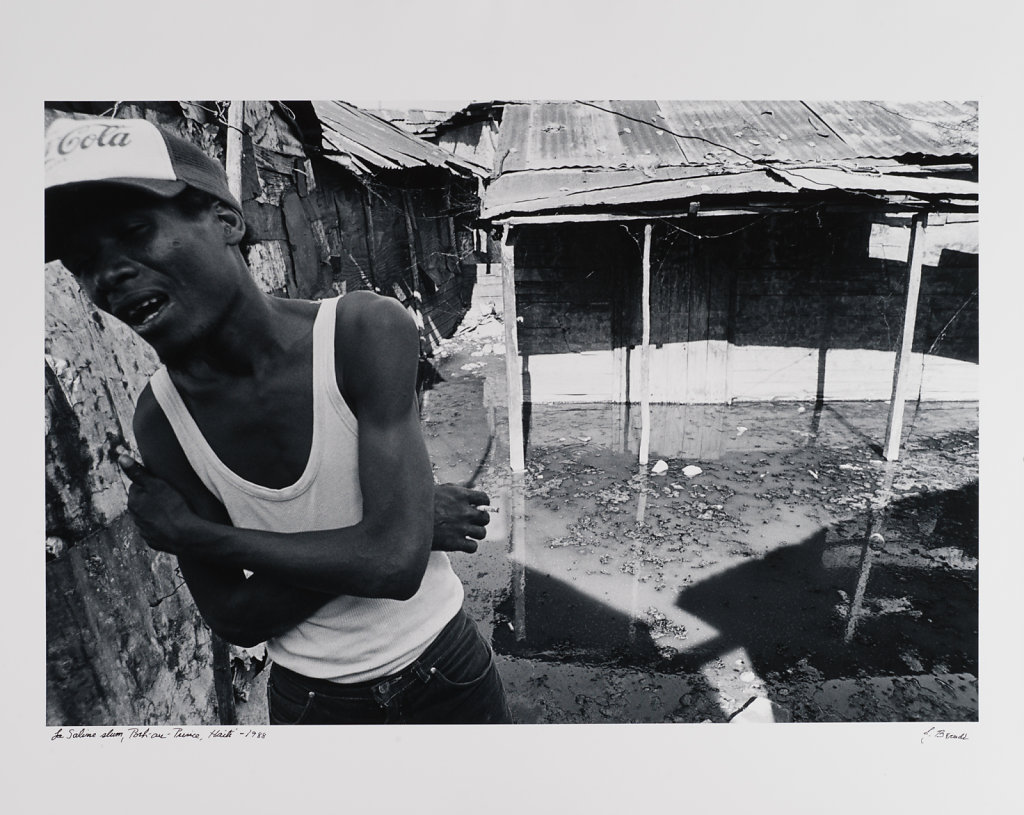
(144, 312)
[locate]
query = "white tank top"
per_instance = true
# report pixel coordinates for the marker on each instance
(350, 639)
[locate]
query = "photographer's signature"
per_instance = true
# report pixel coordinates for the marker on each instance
(943, 735)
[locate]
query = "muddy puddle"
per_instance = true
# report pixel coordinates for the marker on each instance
(766, 551)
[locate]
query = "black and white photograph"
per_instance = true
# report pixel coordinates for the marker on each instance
(564, 371)
(710, 367)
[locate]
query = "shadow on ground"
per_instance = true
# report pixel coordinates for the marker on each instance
(796, 613)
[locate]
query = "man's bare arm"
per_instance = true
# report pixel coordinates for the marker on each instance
(385, 554)
(243, 611)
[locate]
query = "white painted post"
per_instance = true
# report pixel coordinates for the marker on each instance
(620, 399)
(645, 353)
(233, 155)
(513, 373)
(879, 514)
(517, 530)
(894, 428)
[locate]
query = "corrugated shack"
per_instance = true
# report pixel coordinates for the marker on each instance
(712, 252)
(336, 200)
(340, 200)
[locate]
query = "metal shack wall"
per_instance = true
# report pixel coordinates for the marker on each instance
(788, 307)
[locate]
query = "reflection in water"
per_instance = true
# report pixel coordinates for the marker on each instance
(758, 566)
(517, 540)
(795, 555)
(874, 538)
(791, 604)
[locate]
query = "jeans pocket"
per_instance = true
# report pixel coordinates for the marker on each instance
(285, 710)
(467, 675)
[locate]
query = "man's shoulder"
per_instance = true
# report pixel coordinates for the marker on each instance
(364, 316)
(377, 345)
(367, 305)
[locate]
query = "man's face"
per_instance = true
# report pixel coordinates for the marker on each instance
(169, 275)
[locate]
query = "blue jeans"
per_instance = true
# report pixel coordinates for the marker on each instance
(455, 681)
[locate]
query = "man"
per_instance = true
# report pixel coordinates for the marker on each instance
(280, 437)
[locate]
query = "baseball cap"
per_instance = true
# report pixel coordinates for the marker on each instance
(128, 152)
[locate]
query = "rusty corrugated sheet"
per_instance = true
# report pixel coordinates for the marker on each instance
(878, 129)
(622, 134)
(532, 192)
(735, 132)
(419, 122)
(825, 178)
(366, 142)
(552, 155)
(544, 192)
(472, 143)
(553, 135)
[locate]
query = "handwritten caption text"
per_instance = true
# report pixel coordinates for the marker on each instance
(129, 734)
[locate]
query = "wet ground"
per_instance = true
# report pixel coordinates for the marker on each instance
(775, 567)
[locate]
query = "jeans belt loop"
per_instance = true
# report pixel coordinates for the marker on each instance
(422, 673)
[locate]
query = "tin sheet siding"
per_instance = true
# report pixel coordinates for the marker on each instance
(786, 309)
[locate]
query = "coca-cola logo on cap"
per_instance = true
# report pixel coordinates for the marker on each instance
(92, 135)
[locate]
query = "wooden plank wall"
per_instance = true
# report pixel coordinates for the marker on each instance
(336, 233)
(572, 295)
(787, 307)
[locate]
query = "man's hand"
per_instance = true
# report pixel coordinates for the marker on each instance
(458, 522)
(159, 511)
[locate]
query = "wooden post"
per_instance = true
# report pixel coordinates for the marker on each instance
(223, 680)
(620, 397)
(233, 155)
(371, 237)
(452, 239)
(634, 601)
(417, 298)
(410, 232)
(513, 374)
(645, 352)
(878, 516)
(517, 530)
(894, 428)
(621, 329)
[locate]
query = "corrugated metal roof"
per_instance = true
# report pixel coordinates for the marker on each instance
(824, 178)
(617, 134)
(732, 132)
(421, 122)
(901, 128)
(542, 191)
(472, 143)
(553, 155)
(366, 142)
(525, 193)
